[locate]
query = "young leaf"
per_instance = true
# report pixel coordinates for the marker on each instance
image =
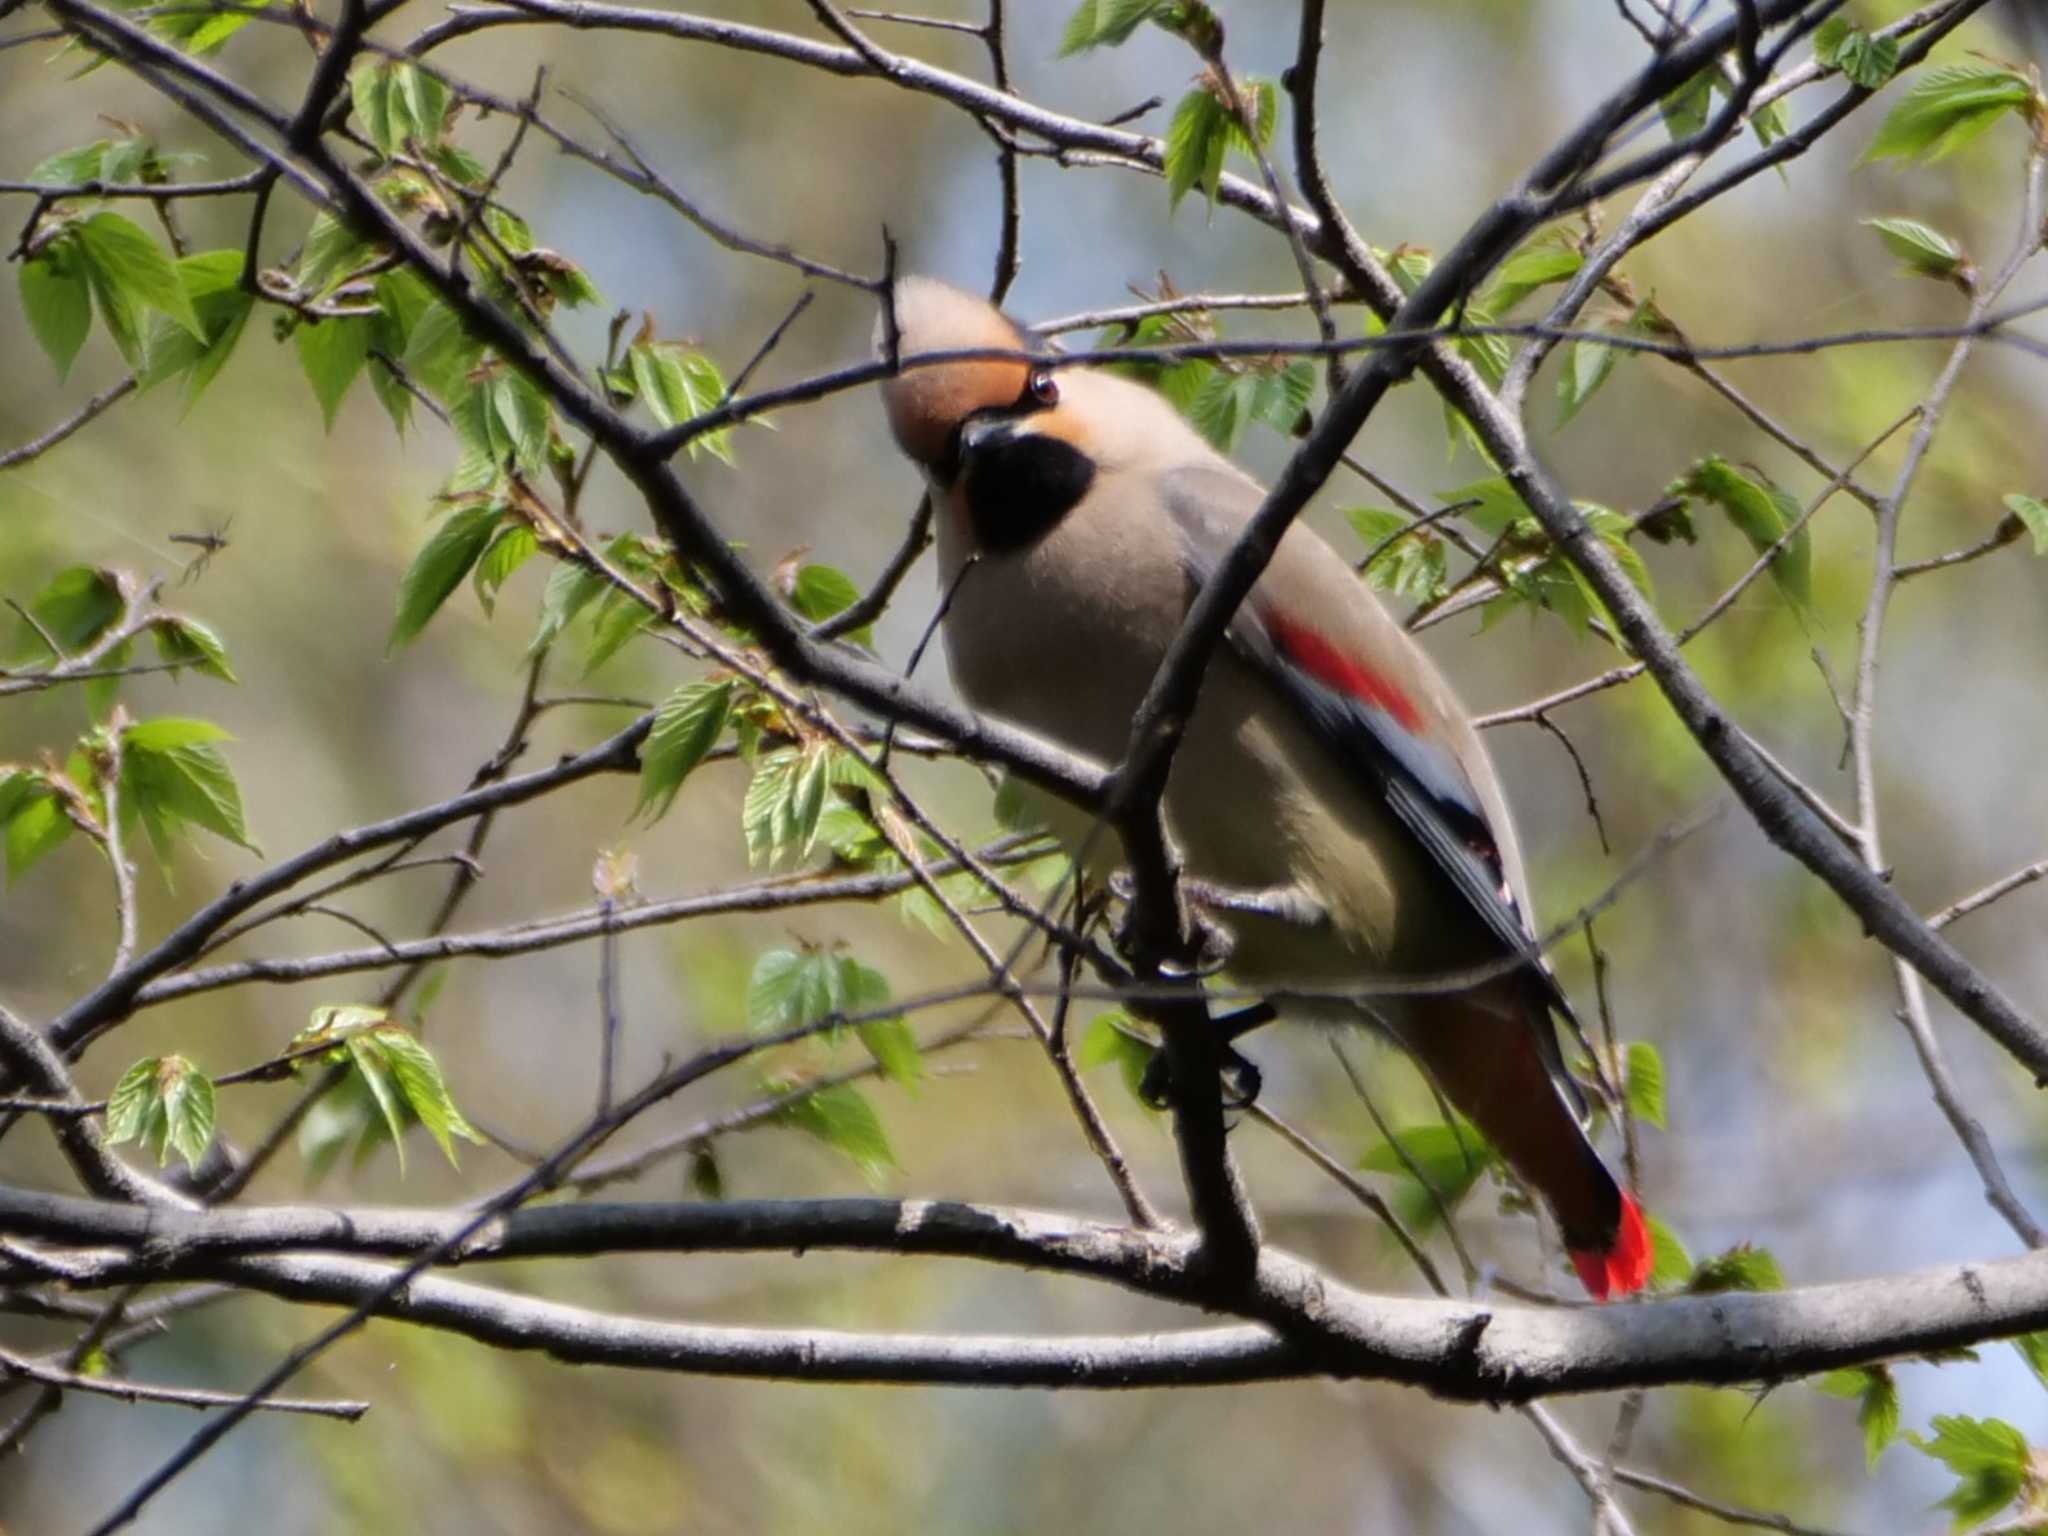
(687, 726)
(570, 589)
(1449, 1157)
(1687, 108)
(888, 1039)
(373, 1066)
(1741, 1268)
(2033, 1348)
(187, 642)
(1643, 1082)
(1533, 267)
(189, 1112)
(1867, 60)
(439, 567)
(511, 547)
(1989, 1458)
(1106, 23)
(332, 352)
(77, 606)
(1587, 365)
(173, 772)
(1924, 251)
(132, 1102)
(1112, 1036)
(519, 420)
(167, 1104)
(1762, 512)
(37, 825)
(122, 257)
(1947, 108)
(2033, 514)
(1876, 1392)
(1196, 141)
(58, 301)
(416, 1076)
(1670, 1263)
(679, 383)
(818, 592)
(333, 252)
(213, 282)
(842, 1118)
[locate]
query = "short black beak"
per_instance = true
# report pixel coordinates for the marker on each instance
(983, 432)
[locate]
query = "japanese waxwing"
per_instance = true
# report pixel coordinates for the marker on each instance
(1327, 765)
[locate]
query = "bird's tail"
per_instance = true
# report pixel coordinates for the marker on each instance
(1485, 1052)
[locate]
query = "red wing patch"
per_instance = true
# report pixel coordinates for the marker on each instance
(1321, 659)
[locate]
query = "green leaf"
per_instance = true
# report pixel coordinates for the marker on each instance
(1106, 23)
(1921, 250)
(1643, 1082)
(620, 617)
(1867, 60)
(687, 726)
(1762, 512)
(679, 384)
(1741, 1268)
(69, 167)
(1587, 365)
(843, 1119)
(187, 642)
(189, 1112)
(511, 547)
(58, 301)
(1687, 108)
(333, 252)
(134, 1099)
(120, 256)
(2033, 1348)
(1280, 396)
(441, 354)
(417, 1077)
(172, 772)
(570, 589)
(1449, 1157)
(1197, 139)
(213, 282)
(519, 420)
(2033, 513)
(77, 606)
(1532, 267)
(439, 567)
(1946, 108)
(1113, 1037)
(33, 830)
(398, 102)
(1670, 1264)
(169, 733)
(821, 591)
(784, 801)
(402, 299)
(372, 1065)
(1988, 1457)
(1876, 1393)
(332, 352)
(167, 1104)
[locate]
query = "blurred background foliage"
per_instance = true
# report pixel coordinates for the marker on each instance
(1798, 1120)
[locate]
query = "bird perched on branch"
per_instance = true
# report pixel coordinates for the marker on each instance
(1335, 810)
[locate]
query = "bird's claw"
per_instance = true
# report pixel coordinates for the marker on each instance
(1242, 1081)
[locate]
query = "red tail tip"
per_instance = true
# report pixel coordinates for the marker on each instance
(1624, 1266)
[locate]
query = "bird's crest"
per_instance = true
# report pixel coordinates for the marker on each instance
(926, 404)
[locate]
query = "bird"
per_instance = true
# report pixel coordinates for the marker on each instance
(1331, 801)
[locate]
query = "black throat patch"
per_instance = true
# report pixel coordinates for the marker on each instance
(1019, 487)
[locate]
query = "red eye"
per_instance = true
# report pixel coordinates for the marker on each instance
(1045, 389)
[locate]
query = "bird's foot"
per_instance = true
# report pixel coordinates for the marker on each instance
(1242, 1080)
